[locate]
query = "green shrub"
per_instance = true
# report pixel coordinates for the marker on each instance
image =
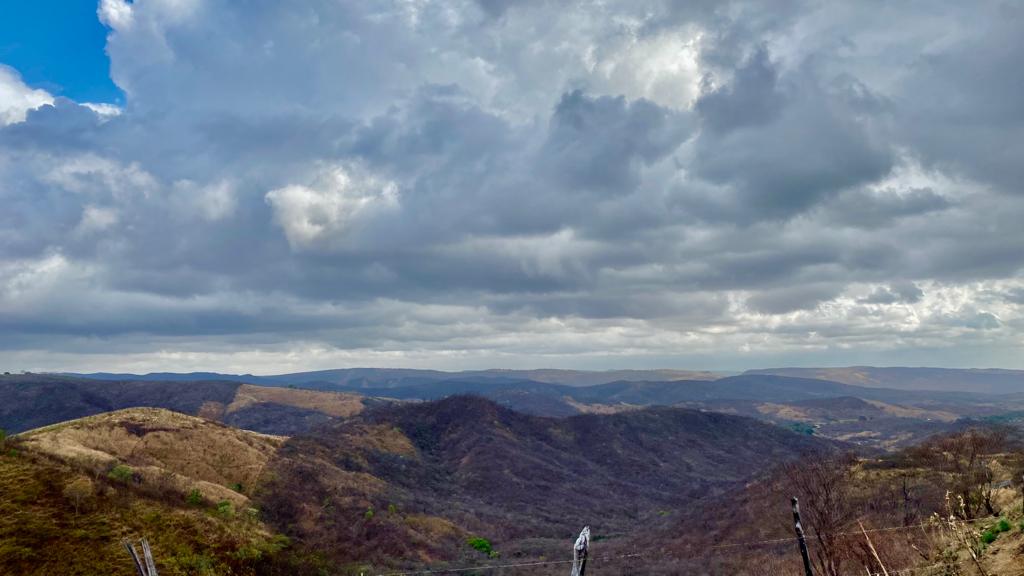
(195, 497)
(190, 562)
(224, 508)
(1003, 525)
(369, 513)
(237, 487)
(989, 536)
(482, 545)
(121, 473)
(392, 509)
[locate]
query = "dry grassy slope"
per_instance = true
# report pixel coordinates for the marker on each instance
(161, 445)
(42, 534)
(337, 404)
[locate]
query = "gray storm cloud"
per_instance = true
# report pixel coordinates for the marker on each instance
(456, 183)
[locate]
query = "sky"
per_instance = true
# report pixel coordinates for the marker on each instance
(271, 186)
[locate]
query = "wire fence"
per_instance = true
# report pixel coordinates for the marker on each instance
(791, 540)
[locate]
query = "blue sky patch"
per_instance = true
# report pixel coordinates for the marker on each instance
(58, 45)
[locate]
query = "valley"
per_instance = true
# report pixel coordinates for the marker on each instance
(234, 477)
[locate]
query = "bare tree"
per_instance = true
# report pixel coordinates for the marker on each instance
(823, 486)
(965, 457)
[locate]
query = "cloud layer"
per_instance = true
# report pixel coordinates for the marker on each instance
(458, 183)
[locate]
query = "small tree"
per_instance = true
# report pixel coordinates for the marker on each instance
(78, 491)
(194, 497)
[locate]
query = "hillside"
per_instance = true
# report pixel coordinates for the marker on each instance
(35, 400)
(177, 451)
(906, 499)
(409, 483)
(986, 381)
(72, 491)
(877, 417)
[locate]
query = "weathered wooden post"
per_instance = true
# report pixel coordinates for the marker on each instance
(579, 553)
(800, 537)
(135, 556)
(145, 565)
(149, 557)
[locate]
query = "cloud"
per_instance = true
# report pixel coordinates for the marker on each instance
(903, 293)
(602, 143)
(17, 99)
(327, 212)
(522, 182)
(779, 145)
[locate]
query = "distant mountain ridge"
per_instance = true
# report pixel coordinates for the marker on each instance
(35, 400)
(978, 380)
(394, 377)
(973, 380)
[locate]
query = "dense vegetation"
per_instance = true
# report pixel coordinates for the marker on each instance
(436, 474)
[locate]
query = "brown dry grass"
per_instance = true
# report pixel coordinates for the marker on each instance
(600, 408)
(382, 438)
(783, 411)
(43, 532)
(921, 414)
(182, 452)
(337, 404)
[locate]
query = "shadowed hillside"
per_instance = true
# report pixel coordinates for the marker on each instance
(35, 400)
(411, 483)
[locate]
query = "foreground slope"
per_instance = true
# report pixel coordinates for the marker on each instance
(178, 451)
(409, 483)
(924, 506)
(72, 491)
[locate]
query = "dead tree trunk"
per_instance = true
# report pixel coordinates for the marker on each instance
(579, 553)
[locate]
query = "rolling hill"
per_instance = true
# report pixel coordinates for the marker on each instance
(73, 490)
(177, 451)
(410, 483)
(32, 401)
(985, 381)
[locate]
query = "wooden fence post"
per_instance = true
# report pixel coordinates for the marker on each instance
(579, 553)
(145, 565)
(800, 537)
(135, 556)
